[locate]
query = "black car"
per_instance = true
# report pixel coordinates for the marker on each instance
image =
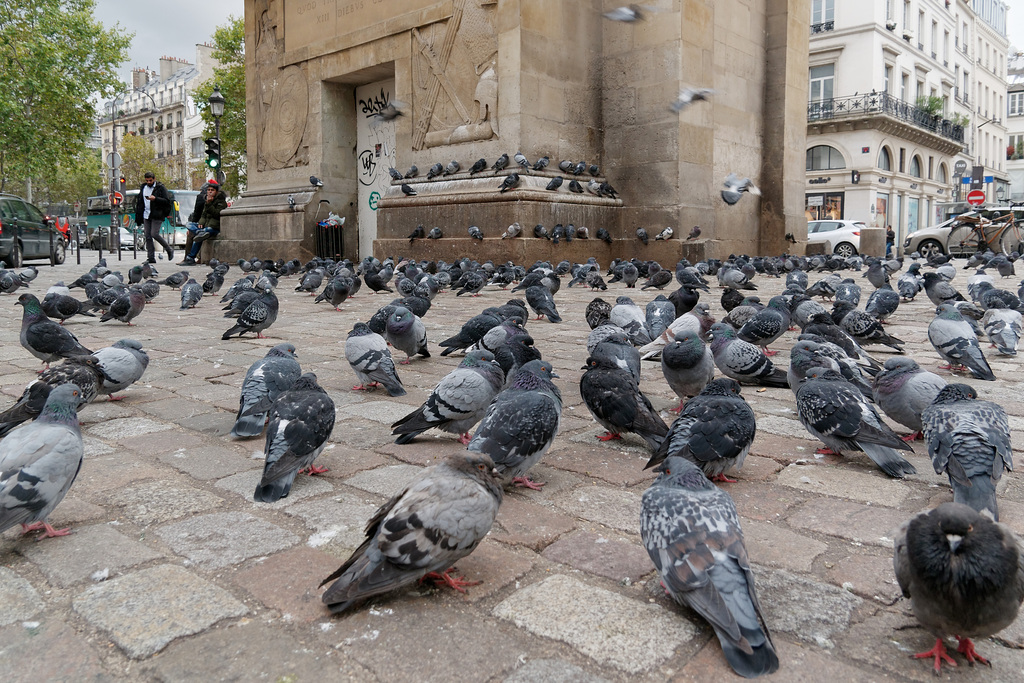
(26, 234)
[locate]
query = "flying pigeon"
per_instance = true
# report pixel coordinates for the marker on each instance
(614, 398)
(964, 575)
(692, 533)
(688, 96)
(436, 521)
(367, 353)
(264, 381)
(391, 112)
(735, 187)
(43, 338)
(458, 402)
(301, 421)
(954, 340)
(39, 462)
(903, 390)
(521, 423)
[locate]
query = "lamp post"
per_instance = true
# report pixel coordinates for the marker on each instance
(217, 109)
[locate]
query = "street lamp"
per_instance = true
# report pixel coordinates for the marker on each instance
(1001, 194)
(217, 109)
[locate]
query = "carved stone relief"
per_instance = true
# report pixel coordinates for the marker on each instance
(455, 76)
(282, 96)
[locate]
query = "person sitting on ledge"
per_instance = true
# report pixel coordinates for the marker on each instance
(209, 222)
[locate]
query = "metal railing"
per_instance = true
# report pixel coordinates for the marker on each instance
(823, 27)
(886, 105)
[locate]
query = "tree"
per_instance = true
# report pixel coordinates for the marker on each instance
(53, 56)
(72, 182)
(137, 156)
(229, 50)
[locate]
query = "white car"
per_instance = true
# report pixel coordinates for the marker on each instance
(839, 237)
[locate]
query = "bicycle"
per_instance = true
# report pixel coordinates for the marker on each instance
(976, 234)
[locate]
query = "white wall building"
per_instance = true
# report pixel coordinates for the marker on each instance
(1015, 127)
(895, 102)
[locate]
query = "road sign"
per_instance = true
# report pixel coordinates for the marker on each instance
(116, 198)
(959, 167)
(78, 207)
(114, 160)
(976, 197)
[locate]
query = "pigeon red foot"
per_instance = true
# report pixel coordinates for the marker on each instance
(446, 579)
(723, 478)
(464, 438)
(527, 483)
(314, 470)
(608, 436)
(966, 648)
(48, 531)
(769, 352)
(826, 451)
(366, 387)
(914, 436)
(939, 653)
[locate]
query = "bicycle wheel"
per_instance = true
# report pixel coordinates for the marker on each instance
(963, 241)
(1012, 239)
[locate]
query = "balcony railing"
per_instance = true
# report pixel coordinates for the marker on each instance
(823, 27)
(883, 104)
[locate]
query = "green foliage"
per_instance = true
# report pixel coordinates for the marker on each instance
(931, 104)
(960, 120)
(229, 50)
(71, 182)
(137, 157)
(53, 56)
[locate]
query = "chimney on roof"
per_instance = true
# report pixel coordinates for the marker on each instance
(139, 78)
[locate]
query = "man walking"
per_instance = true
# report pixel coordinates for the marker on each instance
(151, 208)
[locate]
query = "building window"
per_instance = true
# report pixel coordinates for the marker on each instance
(1016, 107)
(822, 82)
(884, 160)
(888, 79)
(943, 177)
(904, 85)
(822, 11)
(915, 166)
(1015, 147)
(824, 158)
(197, 147)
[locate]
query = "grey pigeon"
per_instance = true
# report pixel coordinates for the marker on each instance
(257, 316)
(301, 421)
(733, 278)
(543, 304)
(692, 533)
(472, 331)
(614, 398)
(458, 401)
(521, 423)
(43, 338)
(554, 183)
(767, 325)
(39, 462)
(969, 440)
(903, 390)
(864, 328)
(406, 332)
(82, 371)
(939, 291)
(910, 283)
(435, 234)
(735, 187)
(631, 319)
(395, 174)
(452, 168)
(641, 234)
(367, 353)
(409, 191)
(63, 306)
(688, 366)
(511, 181)
(1003, 328)
(127, 306)
(511, 231)
(436, 521)
(434, 171)
(882, 303)
(523, 162)
(954, 340)
(714, 431)
(848, 291)
(658, 315)
(610, 342)
(837, 413)
(191, 294)
(598, 312)
(123, 363)
(479, 165)
(475, 233)
(175, 280)
(694, 233)
(264, 381)
(629, 13)
(664, 234)
(876, 275)
(964, 575)
(500, 163)
(696, 320)
(743, 361)
(684, 99)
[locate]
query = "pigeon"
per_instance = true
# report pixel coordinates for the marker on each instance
(575, 187)
(767, 325)
(964, 575)
(511, 231)
(692, 533)
(500, 163)
(395, 174)
(688, 366)
(604, 235)
(82, 371)
(882, 303)
(658, 315)
(954, 340)
(837, 413)
(743, 361)
(864, 328)
(735, 187)
(903, 390)
(391, 112)
(479, 165)
(523, 162)
(714, 431)
(63, 306)
(848, 291)
(315, 182)
(257, 316)
(939, 291)
(452, 168)
(265, 380)
(440, 518)
(408, 191)
(694, 233)
(554, 183)
(543, 304)
(405, 331)
(435, 234)
(475, 233)
(629, 13)
(123, 363)
(615, 347)
(734, 278)
(614, 399)
(458, 402)
(664, 234)
(969, 440)
(434, 171)
(43, 338)
(540, 232)
(175, 280)
(301, 421)
(367, 353)
(191, 294)
(1003, 327)
(688, 96)
(510, 181)
(541, 163)
(39, 462)
(472, 331)
(521, 423)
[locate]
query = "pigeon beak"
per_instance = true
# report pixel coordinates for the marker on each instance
(954, 541)
(554, 374)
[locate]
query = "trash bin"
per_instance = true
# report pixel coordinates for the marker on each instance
(329, 237)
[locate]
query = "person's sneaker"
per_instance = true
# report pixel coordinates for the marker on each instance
(170, 255)
(187, 262)
(150, 260)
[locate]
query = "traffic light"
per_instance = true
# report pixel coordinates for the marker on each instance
(855, 177)
(213, 153)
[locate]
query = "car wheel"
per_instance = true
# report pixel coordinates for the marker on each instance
(929, 248)
(14, 259)
(845, 249)
(59, 252)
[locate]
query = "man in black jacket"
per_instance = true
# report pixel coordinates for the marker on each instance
(152, 206)
(197, 213)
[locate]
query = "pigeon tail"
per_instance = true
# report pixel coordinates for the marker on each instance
(248, 426)
(890, 462)
(760, 661)
(275, 490)
(979, 494)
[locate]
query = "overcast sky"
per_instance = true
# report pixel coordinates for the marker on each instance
(169, 29)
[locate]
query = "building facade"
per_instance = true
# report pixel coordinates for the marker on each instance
(160, 107)
(904, 100)
(1015, 126)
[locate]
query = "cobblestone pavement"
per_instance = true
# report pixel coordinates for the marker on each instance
(200, 583)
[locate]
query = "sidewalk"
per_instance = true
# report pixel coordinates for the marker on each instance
(172, 573)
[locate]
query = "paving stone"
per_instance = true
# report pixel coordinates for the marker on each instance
(797, 664)
(756, 500)
(756, 468)
(612, 629)
(87, 550)
(809, 610)
(340, 524)
(223, 539)
(344, 461)
(876, 488)
(161, 501)
(381, 411)
(779, 547)
(867, 524)
(611, 507)
(169, 442)
(127, 427)
(869, 576)
(385, 481)
(48, 650)
(93, 447)
(614, 467)
(305, 486)
(552, 671)
(600, 555)
(114, 471)
(288, 582)
(211, 462)
(629, 446)
(134, 609)
(529, 524)
(18, 599)
(495, 566)
(425, 450)
(73, 511)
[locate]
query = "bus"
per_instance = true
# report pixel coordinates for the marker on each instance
(97, 215)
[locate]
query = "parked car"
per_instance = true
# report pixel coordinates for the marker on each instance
(99, 238)
(934, 240)
(27, 234)
(840, 237)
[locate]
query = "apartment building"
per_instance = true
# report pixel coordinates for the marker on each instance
(1015, 126)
